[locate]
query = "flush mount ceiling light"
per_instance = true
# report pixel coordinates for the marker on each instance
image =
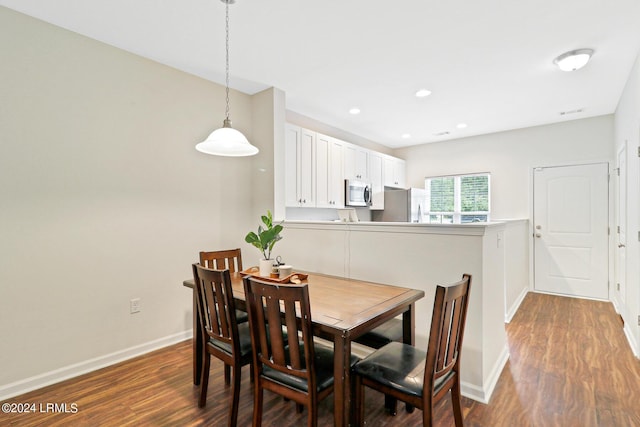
(406, 135)
(461, 125)
(422, 93)
(354, 111)
(227, 141)
(573, 60)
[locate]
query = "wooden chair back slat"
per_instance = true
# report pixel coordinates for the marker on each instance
(274, 328)
(443, 343)
(216, 303)
(272, 307)
(447, 329)
(454, 329)
(296, 359)
(218, 325)
(230, 259)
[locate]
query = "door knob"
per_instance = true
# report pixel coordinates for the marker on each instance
(538, 235)
(538, 227)
(620, 245)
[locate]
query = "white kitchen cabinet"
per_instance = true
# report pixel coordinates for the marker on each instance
(395, 171)
(376, 178)
(329, 172)
(356, 162)
(317, 165)
(300, 172)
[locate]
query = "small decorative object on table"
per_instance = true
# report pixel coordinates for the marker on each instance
(284, 270)
(296, 278)
(264, 240)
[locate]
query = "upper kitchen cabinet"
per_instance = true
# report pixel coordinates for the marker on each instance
(329, 172)
(395, 172)
(356, 162)
(376, 178)
(300, 167)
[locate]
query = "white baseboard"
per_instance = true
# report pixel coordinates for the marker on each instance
(483, 394)
(616, 305)
(627, 330)
(516, 305)
(632, 342)
(33, 383)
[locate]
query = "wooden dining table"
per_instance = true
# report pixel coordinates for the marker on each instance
(341, 310)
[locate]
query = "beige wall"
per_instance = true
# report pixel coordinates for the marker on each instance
(103, 198)
(316, 126)
(510, 157)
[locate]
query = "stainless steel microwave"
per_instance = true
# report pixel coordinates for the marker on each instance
(357, 193)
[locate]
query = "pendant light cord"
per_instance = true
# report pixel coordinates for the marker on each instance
(227, 141)
(227, 56)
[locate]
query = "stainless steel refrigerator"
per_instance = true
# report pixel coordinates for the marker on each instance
(402, 206)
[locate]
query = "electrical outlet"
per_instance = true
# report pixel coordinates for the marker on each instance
(134, 305)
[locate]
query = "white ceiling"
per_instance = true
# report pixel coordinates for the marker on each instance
(488, 63)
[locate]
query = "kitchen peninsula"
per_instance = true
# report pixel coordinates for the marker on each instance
(420, 256)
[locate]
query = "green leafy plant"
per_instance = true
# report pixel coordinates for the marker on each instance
(266, 237)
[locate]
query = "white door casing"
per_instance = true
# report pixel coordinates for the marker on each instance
(621, 225)
(570, 206)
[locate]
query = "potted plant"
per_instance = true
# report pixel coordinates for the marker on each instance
(264, 240)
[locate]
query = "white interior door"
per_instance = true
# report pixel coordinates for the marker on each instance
(571, 230)
(621, 226)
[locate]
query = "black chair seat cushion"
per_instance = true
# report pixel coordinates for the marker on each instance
(245, 342)
(241, 316)
(324, 370)
(399, 366)
(382, 335)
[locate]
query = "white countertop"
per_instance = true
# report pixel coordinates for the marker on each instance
(475, 228)
(395, 224)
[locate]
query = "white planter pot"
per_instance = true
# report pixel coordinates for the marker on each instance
(265, 267)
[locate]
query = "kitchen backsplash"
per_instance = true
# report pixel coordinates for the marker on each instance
(320, 214)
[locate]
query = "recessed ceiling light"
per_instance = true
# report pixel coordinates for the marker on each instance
(461, 125)
(354, 111)
(406, 135)
(573, 60)
(422, 93)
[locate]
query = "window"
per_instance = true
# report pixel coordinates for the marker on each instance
(458, 199)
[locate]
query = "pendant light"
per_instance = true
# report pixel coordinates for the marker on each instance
(227, 141)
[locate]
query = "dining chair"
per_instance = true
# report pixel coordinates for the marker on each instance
(389, 331)
(223, 337)
(293, 365)
(419, 378)
(230, 259)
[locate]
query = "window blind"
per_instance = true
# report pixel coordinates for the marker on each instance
(458, 198)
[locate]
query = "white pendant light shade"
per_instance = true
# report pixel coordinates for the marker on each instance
(226, 141)
(574, 60)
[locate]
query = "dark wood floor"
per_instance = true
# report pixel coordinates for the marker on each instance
(570, 365)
